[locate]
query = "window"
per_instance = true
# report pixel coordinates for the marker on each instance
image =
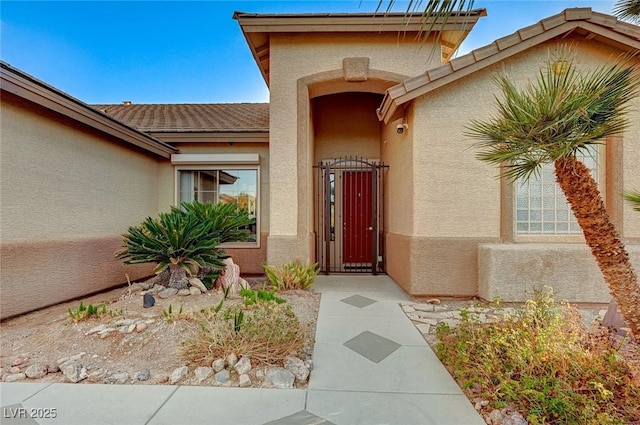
(228, 185)
(540, 206)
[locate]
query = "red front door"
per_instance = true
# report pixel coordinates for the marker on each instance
(357, 196)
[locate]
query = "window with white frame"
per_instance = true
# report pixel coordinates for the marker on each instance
(540, 206)
(213, 184)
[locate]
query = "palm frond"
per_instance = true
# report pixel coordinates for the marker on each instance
(633, 198)
(556, 116)
(434, 16)
(628, 10)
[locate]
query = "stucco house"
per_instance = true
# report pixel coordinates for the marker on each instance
(359, 162)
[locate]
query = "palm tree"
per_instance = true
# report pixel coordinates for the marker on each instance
(551, 121)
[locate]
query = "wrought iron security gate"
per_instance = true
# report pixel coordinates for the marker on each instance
(348, 216)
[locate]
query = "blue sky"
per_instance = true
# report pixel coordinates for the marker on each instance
(185, 52)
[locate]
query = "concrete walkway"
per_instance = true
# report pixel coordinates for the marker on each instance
(371, 366)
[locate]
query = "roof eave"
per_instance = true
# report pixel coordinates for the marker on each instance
(397, 97)
(23, 85)
(256, 28)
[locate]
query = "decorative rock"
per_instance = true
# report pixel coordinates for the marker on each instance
(131, 328)
(20, 361)
(280, 377)
(125, 329)
(148, 301)
(142, 375)
(222, 376)
(259, 374)
(135, 287)
(297, 368)
(217, 365)
(97, 375)
(197, 283)
(184, 292)
(76, 357)
(117, 378)
(166, 293)
(62, 360)
(308, 364)
(178, 375)
(125, 322)
(515, 419)
(408, 309)
(14, 370)
(194, 291)
(203, 373)
(245, 381)
(36, 371)
(74, 372)
(97, 329)
(243, 365)
(53, 368)
(15, 377)
(495, 417)
(141, 327)
(232, 359)
(105, 333)
(156, 289)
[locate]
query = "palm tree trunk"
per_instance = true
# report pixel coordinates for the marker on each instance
(602, 237)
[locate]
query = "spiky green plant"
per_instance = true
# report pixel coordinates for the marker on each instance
(229, 223)
(634, 199)
(552, 119)
(177, 241)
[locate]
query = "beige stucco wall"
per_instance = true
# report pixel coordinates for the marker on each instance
(67, 194)
(345, 124)
(459, 202)
(294, 58)
(249, 259)
(511, 272)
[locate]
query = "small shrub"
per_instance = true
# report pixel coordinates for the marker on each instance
(86, 312)
(251, 297)
(267, 333)
(170, 315)
(293, 275)
(543, 362)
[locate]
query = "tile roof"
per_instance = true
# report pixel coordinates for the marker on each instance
(579, 21)
(192, 117)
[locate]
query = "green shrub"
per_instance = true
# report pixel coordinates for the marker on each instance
(229, 224)
(251, 297)
(266, 332)
(84, 312)
(185, 241)
(544, 363)
(174, 238)
(293, 275)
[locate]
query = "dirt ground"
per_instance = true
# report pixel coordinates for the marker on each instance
(48, 335)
